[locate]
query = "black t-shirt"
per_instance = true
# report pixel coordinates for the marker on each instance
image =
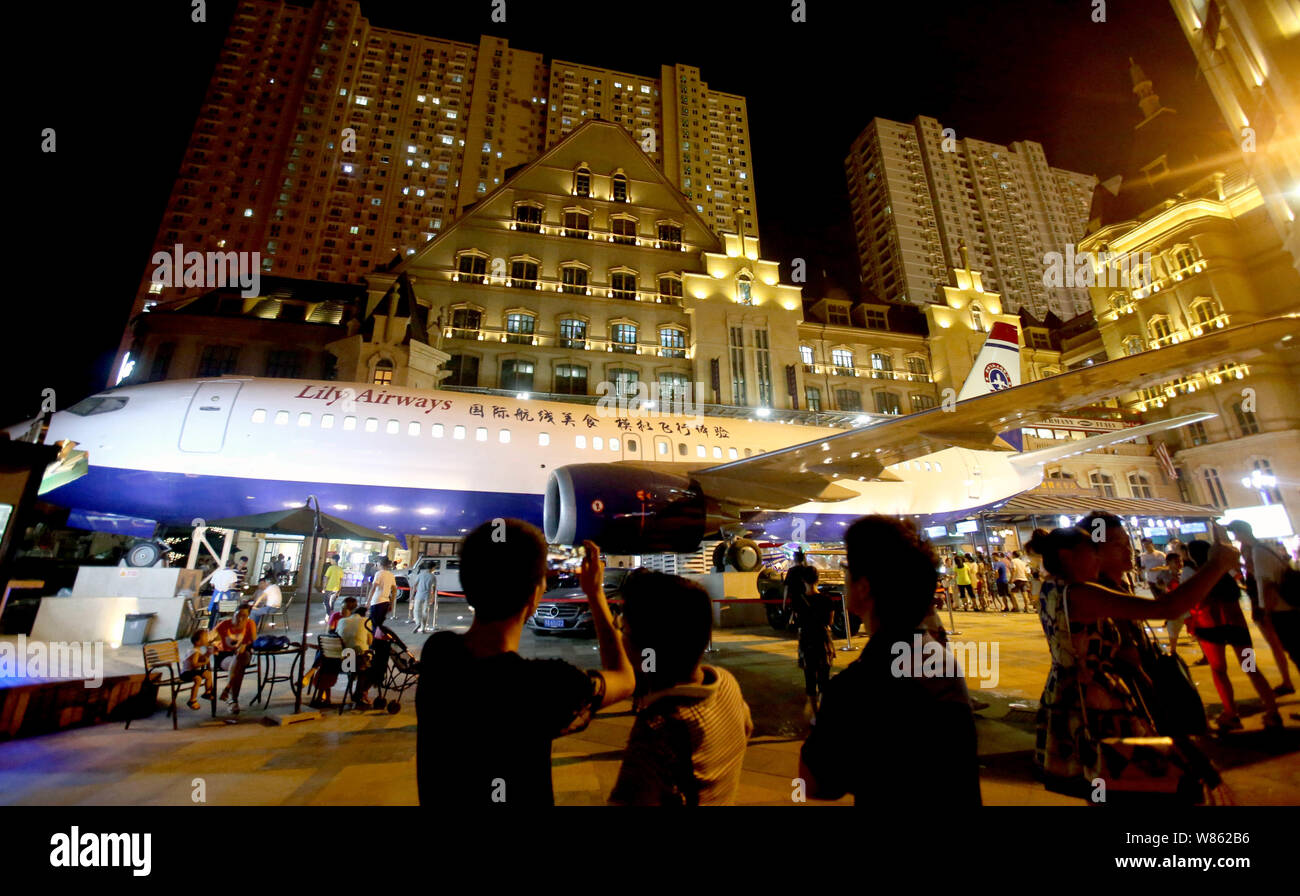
(485, 726)
(891, 740)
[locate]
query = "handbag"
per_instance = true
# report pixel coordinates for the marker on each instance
(1174, 704)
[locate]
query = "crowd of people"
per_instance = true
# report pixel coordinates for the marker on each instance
(978, 583)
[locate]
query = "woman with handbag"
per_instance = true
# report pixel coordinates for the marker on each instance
(1093, 695)
(1218, 623)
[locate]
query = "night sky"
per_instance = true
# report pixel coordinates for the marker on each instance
(122, 84)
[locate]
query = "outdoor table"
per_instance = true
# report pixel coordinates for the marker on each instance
(270, 678)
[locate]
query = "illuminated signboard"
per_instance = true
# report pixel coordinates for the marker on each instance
(936, 531)
(968, 527)
(1193, 528)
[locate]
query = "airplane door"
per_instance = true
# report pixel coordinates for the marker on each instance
(208, 416)
(632, 445)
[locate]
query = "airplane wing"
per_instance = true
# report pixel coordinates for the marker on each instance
(863, 453)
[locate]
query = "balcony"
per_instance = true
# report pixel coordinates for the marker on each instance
(867, 373)
(1201, 327)
(550, 339)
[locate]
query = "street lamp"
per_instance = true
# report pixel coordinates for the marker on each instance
(1259, 481)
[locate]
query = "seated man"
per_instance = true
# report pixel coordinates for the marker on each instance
(358, 635)
(485, 712)
(267, 600)
(886, 734)
(234, 641)
(688, 742)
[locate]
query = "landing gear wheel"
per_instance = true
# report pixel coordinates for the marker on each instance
(144, 554)
(744, 555)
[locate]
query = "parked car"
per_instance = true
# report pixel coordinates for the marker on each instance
(567, 609)
(445, 569)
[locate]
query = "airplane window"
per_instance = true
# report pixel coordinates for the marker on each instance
(326, 421)
(372, 424)
(281, 418)
(681, 448)
(505, 436)
(699, 451)
(392, 427)
(92, 405)
(480, 433)
(413, 429)
(458, 432)
(938, 467)
(580, 441)
(663, 447)
(436, 430)
(927, 466)
(259, 415)
(543, 438)
(613, 444)
(349, 423)
(631, 445)
(597, 442)
(747, 452)
(304, 418)
(717, 452)
(732, 453)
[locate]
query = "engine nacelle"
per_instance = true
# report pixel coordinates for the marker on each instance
(625, 509)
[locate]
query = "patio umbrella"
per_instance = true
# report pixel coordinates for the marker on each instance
(308, 521)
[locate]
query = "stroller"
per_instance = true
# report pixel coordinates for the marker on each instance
(394, 668)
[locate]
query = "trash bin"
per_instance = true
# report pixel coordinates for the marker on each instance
(136, 630)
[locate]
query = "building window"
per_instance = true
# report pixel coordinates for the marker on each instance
(623, 230)
(1140, 485)
(471, 268)
(383, 373)
(806, 355)
(837, 314)
(1133, 345)
(1247, 422)
(744, 290)
(1160, 329)
(887, 403)
(738, 389)
(921, 402)
(1196, 431)
(1103, 482)
(570, 379)
(977, 317)
(674, 389)
(573, 333)
(1184, 258)
(465, 323)
(620, 188)
(577, 223)
(162, 361)
(284, 363)
(519, 328)
(848, 399)
(670, 235)
(624, 337)
(622, 285)
(763, 368)
(1268, 494)
(464, 370)
(1213, 487)
(672, 342)
(624, 380)
(1039, 339)
(574, 278)
(517, 376)
(812, 396)
(218, 360)
(582, 181)
(877, 320)
(918, 370)
(882, 366)
(528, 217)
(843, 360)
(523, 273)
(670, 289)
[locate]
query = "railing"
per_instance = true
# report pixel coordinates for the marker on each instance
(1218, 322)
(592, 233)
(867, 373)
(572, 343)
(652, 296)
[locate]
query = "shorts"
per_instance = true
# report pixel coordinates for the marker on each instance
(1231, 635)
(1003, 591)
(190, 674)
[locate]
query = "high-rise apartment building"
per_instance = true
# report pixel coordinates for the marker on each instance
(330, 146)
(919, 194)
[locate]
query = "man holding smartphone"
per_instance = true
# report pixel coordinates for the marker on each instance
(486, 716)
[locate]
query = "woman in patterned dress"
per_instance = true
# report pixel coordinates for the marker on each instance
(1090, 633)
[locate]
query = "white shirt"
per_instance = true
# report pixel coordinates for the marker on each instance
(269, 596)
(1150, 562)
(355, 634)
(1269, 567)
(385, 587)
(1020, 570)
(224, 579)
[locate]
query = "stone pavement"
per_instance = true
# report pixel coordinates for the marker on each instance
(369, 758)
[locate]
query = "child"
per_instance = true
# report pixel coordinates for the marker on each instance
(194, 666)
(688, 742)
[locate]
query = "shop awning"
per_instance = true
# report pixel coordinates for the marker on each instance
(1071, 502)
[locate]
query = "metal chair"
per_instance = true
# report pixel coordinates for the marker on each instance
(331, 649)
(159, 657)
(281, 613)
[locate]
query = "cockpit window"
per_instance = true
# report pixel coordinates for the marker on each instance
(98, 404)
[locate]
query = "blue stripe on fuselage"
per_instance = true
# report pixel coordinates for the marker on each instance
(177, 498)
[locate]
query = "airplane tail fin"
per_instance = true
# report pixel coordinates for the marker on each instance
(1091, 443)
(997, 367)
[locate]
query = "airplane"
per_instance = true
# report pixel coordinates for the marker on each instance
(412, 462)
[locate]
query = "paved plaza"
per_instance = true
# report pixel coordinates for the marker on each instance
(362, 758)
